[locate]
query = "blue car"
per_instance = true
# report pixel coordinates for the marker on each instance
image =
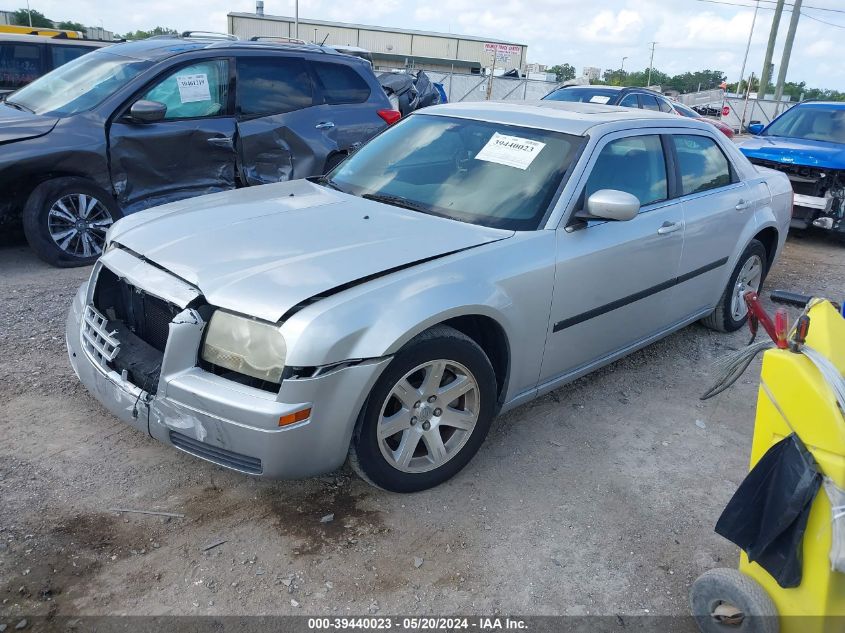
(807, 143)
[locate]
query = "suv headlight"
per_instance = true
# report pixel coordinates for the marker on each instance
(245, 346)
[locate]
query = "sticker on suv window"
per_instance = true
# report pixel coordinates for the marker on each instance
(512, 151)
(193, 88)
(599, 99)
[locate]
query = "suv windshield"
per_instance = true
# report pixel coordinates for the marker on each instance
(583, 95)
(78, 85)
(485, 173)
(810, 123)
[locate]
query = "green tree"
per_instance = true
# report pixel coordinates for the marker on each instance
(564, 72)
(21, 17)
(71, 26)
(140, 35)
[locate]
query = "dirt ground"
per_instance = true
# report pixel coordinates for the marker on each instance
(599, 498)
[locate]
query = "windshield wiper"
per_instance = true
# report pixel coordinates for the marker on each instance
(397, 201)
(18, 106)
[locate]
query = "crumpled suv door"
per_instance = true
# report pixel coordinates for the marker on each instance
(279, 137)
(189, 153)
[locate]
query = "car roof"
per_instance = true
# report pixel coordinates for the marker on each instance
(838, 105)
(159, 48)
(561, 116)
(613, 88)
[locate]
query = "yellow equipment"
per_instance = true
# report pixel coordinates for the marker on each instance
(39, 30)
(809, 406)
(795, 397)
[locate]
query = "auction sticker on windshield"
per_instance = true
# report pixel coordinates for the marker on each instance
(193, 88)
(599, 99)
(512, 151)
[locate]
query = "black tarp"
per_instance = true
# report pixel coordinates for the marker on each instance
(768, 513)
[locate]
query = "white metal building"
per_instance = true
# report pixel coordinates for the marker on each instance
(391, 48)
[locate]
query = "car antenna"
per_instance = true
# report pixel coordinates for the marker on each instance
(324, 39)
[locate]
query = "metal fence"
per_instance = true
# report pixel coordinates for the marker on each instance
(465, 87)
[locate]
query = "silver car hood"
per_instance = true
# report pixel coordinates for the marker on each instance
(262, 250)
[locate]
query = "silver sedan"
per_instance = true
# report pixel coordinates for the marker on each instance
(465, 261)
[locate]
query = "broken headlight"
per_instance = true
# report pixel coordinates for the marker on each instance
(245, 346)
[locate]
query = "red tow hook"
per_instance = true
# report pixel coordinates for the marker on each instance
(757, 315)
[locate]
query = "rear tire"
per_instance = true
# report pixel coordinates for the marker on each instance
(748, 274)
(65, 221)
(427, 414)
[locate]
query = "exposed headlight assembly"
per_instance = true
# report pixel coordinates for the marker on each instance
(245, 346)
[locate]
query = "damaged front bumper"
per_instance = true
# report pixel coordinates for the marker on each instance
(219, 420)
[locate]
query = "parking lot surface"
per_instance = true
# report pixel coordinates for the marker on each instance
(599, 498)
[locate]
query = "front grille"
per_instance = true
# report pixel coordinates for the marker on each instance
(96, 338)
(230, 459)
(146, 316)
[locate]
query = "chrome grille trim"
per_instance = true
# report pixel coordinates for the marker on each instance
(97, 341)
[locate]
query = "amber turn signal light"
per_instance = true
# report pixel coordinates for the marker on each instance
(293, 418)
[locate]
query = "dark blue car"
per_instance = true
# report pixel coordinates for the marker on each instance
(143, 123)
(807, 142)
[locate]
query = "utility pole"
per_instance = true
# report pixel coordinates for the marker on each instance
(650, 64)
(490, 80)
(623, 64)
(766, 75)
(787, 49)
(29, 13)
(747, 46)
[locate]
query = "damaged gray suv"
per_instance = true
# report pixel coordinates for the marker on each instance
(143, 123)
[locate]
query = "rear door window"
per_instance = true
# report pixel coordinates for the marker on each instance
(664, 106)
(20, 64)
(702, 163)
(273, 85)
(649, 102)
(340, 83)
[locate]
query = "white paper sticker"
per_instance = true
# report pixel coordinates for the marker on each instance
(599, 99)
(512, 151)
(193, 88)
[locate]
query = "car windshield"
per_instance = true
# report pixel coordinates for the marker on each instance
(583, 95)
(485, 173)
(810, 123)
(78, 85)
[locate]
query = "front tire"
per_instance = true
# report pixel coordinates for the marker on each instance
(731, 313)
(427, 414)
(65, 221)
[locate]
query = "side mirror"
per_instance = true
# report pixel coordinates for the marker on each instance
(147, 111)
(755, 128)
(611, 204)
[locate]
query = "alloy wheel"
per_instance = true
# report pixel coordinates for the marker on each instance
(428, 416)
(77, 223)
(750, 278)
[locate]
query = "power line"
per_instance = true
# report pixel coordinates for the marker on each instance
(838, 26)
(787, 6)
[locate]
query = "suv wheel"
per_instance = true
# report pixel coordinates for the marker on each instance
(428, 413)
(65, 221)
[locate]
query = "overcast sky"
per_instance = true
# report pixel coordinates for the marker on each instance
(691, 34)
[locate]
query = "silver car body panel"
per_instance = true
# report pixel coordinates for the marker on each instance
(351, 281)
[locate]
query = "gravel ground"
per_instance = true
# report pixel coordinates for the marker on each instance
(599, 498)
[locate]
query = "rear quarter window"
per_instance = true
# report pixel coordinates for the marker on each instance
(340, 83)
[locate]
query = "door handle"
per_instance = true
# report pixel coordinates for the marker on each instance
(669, 227)
(324, 125)
(222, 141)
(742, 205)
